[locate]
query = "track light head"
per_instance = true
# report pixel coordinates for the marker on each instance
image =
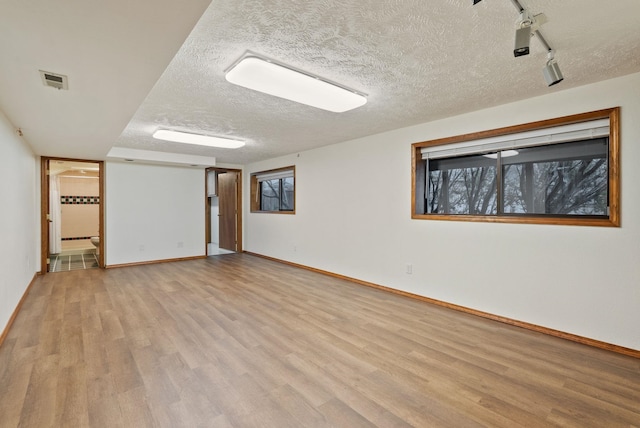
(523, 39)
(528, 25)
(552, 73)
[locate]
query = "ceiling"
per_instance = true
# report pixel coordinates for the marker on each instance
(59, 167)
(134, 67)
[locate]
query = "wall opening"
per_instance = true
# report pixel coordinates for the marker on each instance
(72, 231)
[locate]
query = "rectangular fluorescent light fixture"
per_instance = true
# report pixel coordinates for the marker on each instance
(201, 140)
(282, 81)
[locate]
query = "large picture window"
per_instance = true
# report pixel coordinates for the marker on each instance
(273, 191)
(563, 171)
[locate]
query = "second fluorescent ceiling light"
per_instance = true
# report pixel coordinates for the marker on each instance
(201, 140)
(282, 81)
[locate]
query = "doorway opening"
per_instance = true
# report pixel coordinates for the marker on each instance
(223, 211)
(71, 214)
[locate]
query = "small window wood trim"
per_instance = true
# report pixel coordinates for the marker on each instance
(418, 173)
(255, 189)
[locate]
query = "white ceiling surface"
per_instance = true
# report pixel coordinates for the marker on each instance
(113, 53)
(74, 169)
(417, 61)
(59, 166)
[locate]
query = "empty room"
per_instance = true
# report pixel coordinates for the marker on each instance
(320, 214)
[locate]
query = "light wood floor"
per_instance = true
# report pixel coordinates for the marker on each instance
(238, 341)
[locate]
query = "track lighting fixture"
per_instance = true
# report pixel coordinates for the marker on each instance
(551, 71)
(529, 25)
(523, 38)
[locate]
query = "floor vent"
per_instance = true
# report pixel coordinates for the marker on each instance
(58, 81)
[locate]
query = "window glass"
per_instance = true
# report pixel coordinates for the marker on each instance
(562, 179)
(559, 179)
(270, 195)
(287, 194)
(463, 185)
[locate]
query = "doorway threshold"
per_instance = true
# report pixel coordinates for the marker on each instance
(214, 250)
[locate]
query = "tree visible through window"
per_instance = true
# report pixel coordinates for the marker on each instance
(276, 194)
(571, 185)
(560, 171)
(462, 186)
(273, 191)
(562, 179)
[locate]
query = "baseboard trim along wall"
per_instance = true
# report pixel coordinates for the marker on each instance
(5, 332)
(549, 331)
(153, 262)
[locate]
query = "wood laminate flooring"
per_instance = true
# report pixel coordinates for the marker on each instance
(239, 341)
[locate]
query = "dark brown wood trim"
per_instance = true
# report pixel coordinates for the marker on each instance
(254, 206)
(613, 114)
(207, 211)
(274, 212)
(153, 262)
(614, 167)
(44, 209)
(542, 124)
(568, 221)
(528, 326)
(13, 316)
(239, 212)
(101, 225)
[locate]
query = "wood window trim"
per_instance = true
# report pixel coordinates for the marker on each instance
(613, 114)
(255, 192)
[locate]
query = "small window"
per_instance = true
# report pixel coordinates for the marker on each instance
(563, 171)
(273, 191)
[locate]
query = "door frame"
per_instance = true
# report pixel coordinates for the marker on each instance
(44, 209)
(208, 207)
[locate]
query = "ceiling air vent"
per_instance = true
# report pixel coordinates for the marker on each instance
(58, 81)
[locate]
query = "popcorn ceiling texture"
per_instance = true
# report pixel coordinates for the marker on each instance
(416, 60)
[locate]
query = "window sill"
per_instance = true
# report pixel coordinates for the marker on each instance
(272, 212)
(562, 221)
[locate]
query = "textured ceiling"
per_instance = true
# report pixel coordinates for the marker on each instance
(417, 61)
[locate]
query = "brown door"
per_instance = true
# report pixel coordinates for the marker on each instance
(227, 192)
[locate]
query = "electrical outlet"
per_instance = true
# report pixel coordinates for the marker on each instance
(180, 244)
(141, 247)
(409, 269)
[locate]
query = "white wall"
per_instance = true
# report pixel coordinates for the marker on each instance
(581, 280)
(19, 227)
(79, 220)
(153, 212)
